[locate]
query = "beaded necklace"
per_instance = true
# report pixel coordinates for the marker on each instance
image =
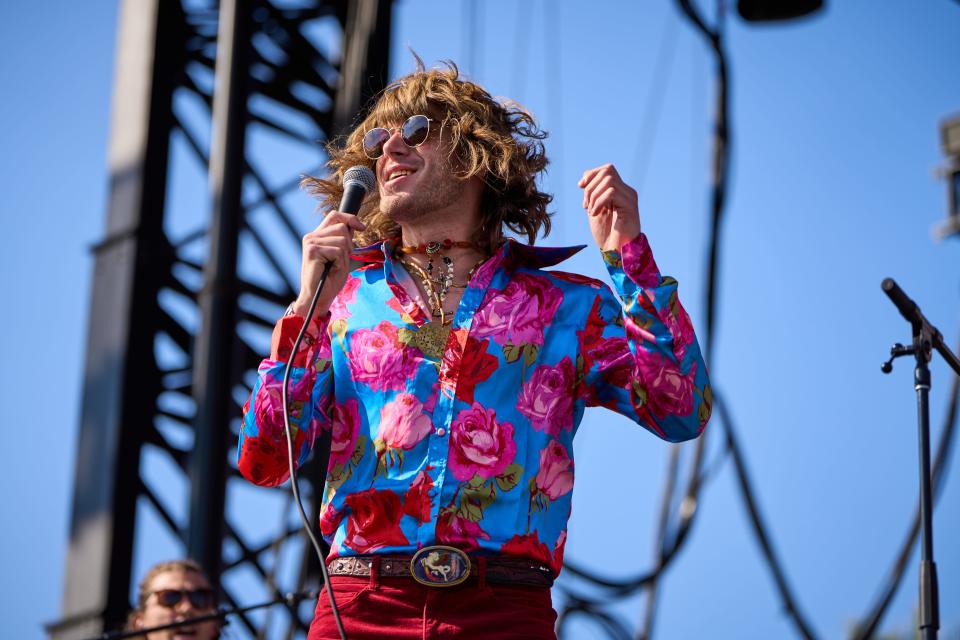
(437, 288)
(431, 338)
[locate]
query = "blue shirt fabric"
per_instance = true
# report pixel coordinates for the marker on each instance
(471, 444)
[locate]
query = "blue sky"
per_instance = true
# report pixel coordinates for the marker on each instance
(835, 123)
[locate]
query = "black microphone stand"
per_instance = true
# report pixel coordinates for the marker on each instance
(290, 599)
(926, 337)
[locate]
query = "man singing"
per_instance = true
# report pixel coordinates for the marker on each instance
(452, 369)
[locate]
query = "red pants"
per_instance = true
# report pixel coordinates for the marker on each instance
(405, 609)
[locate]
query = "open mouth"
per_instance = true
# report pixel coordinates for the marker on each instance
(397, 176)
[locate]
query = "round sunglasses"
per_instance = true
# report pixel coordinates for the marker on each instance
(413, 132)
(199, 598)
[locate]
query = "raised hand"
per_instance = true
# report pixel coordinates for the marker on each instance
(611, 206)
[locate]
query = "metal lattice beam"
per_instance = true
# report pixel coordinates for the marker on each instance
(169, 358)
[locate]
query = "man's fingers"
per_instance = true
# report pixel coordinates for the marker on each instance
(338, 230)
(590, 188)
(341, 243)
(598, 185)
(338, 217)
(605, 200)
(589, 174)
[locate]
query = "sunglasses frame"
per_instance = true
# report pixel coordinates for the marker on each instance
(390, 131)
(192, 595)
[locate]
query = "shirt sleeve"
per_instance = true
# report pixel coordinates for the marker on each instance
(639, 354)
(262, 451)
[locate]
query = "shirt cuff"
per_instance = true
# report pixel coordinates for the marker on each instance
(285, 334)
(635, 258)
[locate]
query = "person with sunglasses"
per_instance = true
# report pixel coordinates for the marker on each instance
(451, 366)
(171, 592)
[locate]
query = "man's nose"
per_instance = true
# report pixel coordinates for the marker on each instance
(395, 144)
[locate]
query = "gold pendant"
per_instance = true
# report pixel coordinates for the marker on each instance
(431, 339)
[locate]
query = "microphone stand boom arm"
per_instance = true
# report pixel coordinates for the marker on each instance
(926, 338)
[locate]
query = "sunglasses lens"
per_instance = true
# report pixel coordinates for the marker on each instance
(201, 598)
(374, 140)
(169, 597)
(415, 130)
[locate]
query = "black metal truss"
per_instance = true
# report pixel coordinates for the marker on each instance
(176, 332)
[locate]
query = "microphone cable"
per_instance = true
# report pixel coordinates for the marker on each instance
(357, 182)
(288, 431)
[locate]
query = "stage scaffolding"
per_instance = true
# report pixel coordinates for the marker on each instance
(186, 290)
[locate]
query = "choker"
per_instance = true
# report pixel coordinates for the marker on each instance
(431, 248)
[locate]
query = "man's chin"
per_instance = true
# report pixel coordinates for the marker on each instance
(401, 215)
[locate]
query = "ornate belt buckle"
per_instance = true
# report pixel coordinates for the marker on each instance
(440, 566)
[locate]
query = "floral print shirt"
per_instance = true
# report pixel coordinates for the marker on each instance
(473, 448)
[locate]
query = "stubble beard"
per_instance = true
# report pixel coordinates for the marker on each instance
(439, 192)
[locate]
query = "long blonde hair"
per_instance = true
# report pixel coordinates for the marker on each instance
(499, 142)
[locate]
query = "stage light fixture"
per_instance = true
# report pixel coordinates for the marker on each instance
(950, 171)
(776, 10)
(950, 137)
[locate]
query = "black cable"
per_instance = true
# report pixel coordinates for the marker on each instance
(666, 501)
(614, 628)
(759, 528)
(290, 600)
(721, 163)
(679, 535)
(620, 588)
(290, 453)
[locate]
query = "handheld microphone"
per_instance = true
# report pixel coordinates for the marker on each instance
(358, 181)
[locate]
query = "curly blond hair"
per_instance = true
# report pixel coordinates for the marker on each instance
(499, 142)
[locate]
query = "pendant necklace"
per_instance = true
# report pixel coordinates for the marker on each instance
(432, 337)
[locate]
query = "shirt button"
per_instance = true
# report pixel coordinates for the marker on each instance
(441, 432)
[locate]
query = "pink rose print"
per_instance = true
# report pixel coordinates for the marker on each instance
(555, 477)
(675, 318)
(479, 444)
(547, 398)
(459, 532)
(346, 428)
(669, 392)
(636, 332)
(614, 360)
(431, 402)
(347, 295)
(519, 312)
(269, 404)
(379, 360)
(481, 279)
(638, 263)
(403, 423)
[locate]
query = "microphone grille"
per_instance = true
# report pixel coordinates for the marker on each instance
(361, 176)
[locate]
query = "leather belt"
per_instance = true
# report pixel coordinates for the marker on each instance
(496, 569)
